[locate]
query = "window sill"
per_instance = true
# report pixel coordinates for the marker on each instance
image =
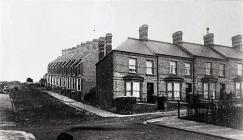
(188, 76)
(220, 76)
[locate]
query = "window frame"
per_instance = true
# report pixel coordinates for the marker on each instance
(239, 71)
(222, 70)
(187, 69)
(210, 69)
(172, 91)
(131, 91)
(150, 68)
(131, 70)
(171, 69)
(209, 91)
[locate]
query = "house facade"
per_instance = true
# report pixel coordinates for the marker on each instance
(147, 69)
(74, 72)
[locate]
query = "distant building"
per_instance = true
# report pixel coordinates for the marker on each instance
(74, 72)
(147, 69)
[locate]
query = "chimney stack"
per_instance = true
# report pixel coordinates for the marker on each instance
(208, 39)
(143, 32)
(108, 46)
(237, 42)
(101, 46)
(177, 37)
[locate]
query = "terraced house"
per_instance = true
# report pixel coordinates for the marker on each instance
(147, 69)
(74, 73)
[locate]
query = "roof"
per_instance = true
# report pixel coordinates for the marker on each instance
(200, 50)
(229, 51)
(135, 46)
(151, 47)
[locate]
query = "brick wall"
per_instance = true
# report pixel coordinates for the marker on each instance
(104, 81)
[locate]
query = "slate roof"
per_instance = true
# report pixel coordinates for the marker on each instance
(151, 47)
(200, 50)
(229, 51)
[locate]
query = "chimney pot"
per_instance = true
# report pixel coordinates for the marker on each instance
(208, 39)
(237, 42)
(143, 32)
(177, 37)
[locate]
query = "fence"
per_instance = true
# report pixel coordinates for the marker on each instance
(222, 113)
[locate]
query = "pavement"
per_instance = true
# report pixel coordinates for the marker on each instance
(98, 111)
(15, 135)
(197, 127)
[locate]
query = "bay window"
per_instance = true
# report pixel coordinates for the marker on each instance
(133, 89)
(209, 90)
(173, 90)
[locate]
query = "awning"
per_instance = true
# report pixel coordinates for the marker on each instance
(209, 79)
(133, 76)
(174, 78)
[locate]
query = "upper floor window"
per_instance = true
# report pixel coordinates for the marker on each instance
(239, 69)
(187, 69)
(221, 70)
(208, 68)
(172, 67)
(132, 65)
(149, 67)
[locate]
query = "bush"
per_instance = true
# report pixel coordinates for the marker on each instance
(125, 105)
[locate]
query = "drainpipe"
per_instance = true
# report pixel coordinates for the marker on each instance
(157, 61)
(193, 76)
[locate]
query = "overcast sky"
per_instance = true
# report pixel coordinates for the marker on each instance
(33, 32)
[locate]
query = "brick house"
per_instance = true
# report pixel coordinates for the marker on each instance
(146, 69)
(74, 73)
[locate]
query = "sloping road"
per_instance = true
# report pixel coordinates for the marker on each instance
(6, 111)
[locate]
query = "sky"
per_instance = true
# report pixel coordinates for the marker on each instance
(33, 32)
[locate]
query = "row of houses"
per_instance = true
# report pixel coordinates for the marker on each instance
(147, 69)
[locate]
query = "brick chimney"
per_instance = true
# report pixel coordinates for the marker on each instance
(101, 45)
(108, 45)
(177, 37)
(143, 32)
(208, 39)
(237, 42)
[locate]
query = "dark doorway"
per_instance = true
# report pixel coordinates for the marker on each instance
(150, 92)
(222, 91)
(188, 91)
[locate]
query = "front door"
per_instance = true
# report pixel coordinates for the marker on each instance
(222, 91)
(150, 92)
(188, 91)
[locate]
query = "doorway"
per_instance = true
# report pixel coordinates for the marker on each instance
(188, 91)
(150, 92)
(222, 91)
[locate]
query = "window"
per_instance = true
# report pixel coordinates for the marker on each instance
(187, 69)
(221, 70)
(149, 67)
(173, 90)
(237, 90)
(133, 89)
(79, 84)
(209, 90)
(132, 65)
(205, 90)
(68, 83)
(172, 67)
(74, 84)
(208, 68)
(239, 69)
